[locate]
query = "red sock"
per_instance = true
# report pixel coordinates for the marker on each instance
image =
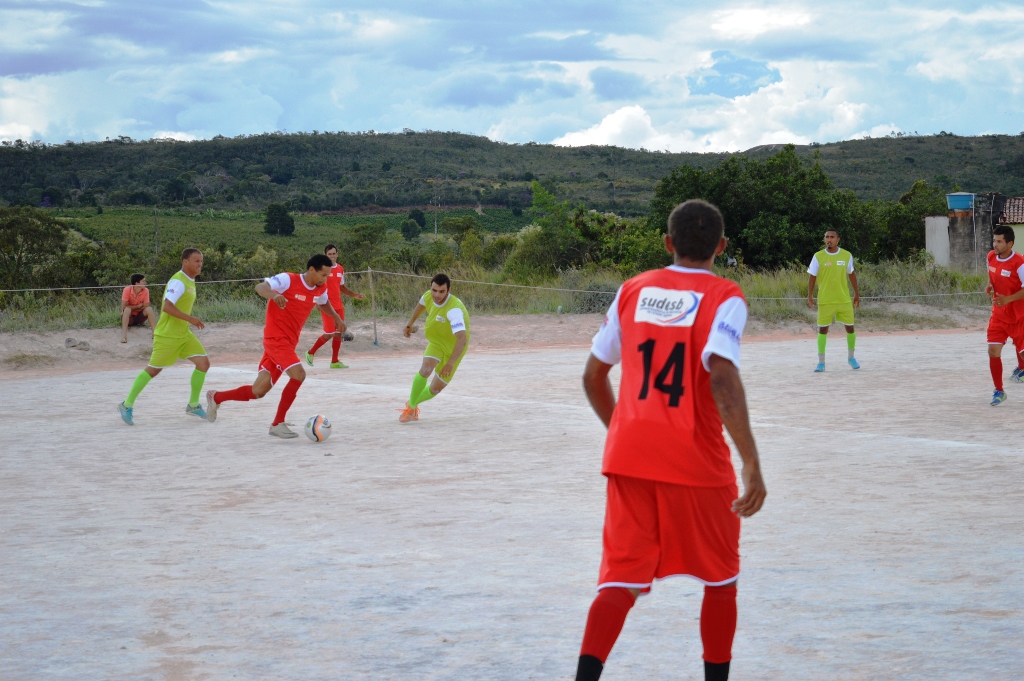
(718, 623)
(335, 348)
(604, 623)
(319, 344)
(1020, 359)
(243, 394)
(995, 365)
(287, 397)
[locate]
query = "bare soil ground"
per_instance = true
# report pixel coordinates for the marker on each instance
(466, 546)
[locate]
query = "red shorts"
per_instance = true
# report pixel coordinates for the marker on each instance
(654, 530)
(1000, 329)
(329, 326)
(277, 360)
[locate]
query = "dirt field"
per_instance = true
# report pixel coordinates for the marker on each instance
(466, 546)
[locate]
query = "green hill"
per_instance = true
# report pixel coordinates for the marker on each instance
(372, 173)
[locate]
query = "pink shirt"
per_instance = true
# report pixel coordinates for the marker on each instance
(129, 296)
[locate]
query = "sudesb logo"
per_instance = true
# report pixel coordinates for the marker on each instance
(667, 307)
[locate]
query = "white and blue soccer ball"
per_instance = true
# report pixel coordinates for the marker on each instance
(318, 428)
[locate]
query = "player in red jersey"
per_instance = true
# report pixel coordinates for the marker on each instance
(290, 299)
(1006, 286)
(335, 288)
(672, 505)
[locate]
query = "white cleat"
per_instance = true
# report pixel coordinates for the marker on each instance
(282, 431)
(211, 406)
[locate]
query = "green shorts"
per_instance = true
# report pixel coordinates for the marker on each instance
(841, 312)
(167, 351)
(442, 356)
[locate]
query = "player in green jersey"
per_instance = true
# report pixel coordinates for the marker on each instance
(173, 339)
(832, 269)
(446, 327)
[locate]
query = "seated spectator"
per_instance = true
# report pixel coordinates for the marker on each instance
(135, 308)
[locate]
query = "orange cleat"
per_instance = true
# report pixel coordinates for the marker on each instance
(409, 414)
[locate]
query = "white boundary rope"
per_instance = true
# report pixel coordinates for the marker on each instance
(487, 283)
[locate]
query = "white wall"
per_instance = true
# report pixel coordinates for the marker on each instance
(936, 238)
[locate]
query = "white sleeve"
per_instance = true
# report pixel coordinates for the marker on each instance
(457, 320)
(423, 300)
(726, 332)
(321, 299)
(812, 269)
(1020, 272)
(607, 343)
(849, 266)
(174, 291)
(279, 282)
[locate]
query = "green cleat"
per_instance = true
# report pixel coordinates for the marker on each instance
(339, 365)
(309, 359)
(126, 414)
(196, 411)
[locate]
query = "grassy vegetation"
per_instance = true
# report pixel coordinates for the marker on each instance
(242, 231)
(773, 297)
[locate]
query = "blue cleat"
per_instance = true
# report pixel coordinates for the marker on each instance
(1017, 376)
(126, 414)
(821, 367)
(854, 363)
(998, 397)
(196, 411)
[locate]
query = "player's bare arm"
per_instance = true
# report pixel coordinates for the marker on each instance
(727, 389)
(417, 311)
(172, 309)
(457, 353)
(598, 388)
(1001, 300)
(345, 290)
(327, 310)
(856, 289)
(810, 291)
(264, 290)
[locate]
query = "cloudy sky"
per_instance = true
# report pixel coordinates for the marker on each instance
(679, 75)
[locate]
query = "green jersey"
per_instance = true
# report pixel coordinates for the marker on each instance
(180, 290)
(442, 322)
(833, 272)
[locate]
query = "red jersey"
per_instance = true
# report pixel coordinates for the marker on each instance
(666, 425)
(285, 324)
(1005, 275)
(335, 280)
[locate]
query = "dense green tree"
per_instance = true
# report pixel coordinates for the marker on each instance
(775, 210)
(411, 230)
(31, 242)
(278, 220)
(460, 227)
(420, 218)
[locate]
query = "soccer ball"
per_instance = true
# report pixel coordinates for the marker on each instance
(318, 428)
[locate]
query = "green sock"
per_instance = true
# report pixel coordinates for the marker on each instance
(851, 343)
(822, 337)
(425, 396)
(140, 382)
(197, 387)
(418, 383)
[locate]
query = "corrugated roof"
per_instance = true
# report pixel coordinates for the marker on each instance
(1013, 212)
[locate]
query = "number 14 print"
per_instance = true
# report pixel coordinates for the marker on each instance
(674, 365)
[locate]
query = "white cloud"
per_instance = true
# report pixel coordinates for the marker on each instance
(630, 127)
(174, 135)
(31, 30)
(748, 23)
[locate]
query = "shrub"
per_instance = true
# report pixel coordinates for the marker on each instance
(411, 230)
(278, 220)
